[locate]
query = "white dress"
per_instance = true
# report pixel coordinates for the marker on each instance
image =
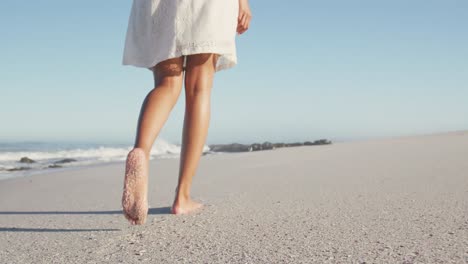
(163, 29)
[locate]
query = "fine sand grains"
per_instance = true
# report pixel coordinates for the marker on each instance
(394, 200)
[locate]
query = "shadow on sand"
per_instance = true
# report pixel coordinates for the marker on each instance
(151, 211)
(19, 229)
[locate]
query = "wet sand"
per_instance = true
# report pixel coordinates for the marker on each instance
(393, 200)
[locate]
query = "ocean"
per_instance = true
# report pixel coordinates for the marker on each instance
(54, 156)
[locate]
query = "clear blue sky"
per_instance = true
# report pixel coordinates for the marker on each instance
(306, 70)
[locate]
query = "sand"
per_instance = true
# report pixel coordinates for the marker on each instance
(392, 200)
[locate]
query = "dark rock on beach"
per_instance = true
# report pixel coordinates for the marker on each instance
(26, 160)
(317, 142)
(295, 144)
(267, 145)
(64, 161)
(236, 147)
(255, 147)
(19, 169)
(54, 166)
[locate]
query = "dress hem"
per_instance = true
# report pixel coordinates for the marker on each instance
(230, 60)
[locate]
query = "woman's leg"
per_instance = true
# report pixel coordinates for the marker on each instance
(199, 74)
(154, 113)
(168, 77)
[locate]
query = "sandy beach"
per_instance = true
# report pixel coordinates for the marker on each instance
(392, 200)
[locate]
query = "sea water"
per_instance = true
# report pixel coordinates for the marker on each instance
(49, 156)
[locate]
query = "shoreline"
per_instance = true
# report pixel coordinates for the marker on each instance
(34, 172)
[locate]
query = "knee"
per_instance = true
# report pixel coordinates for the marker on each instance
(198, 81)
(170, 92)
(199, 88)
(171, 85)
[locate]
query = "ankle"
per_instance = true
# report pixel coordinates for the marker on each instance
(182, 198)
(182, 192)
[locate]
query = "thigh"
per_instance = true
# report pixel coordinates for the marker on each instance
(169, 71)
(199, 71)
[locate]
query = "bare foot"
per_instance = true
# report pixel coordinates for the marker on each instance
(135, 191)
(185, 206)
